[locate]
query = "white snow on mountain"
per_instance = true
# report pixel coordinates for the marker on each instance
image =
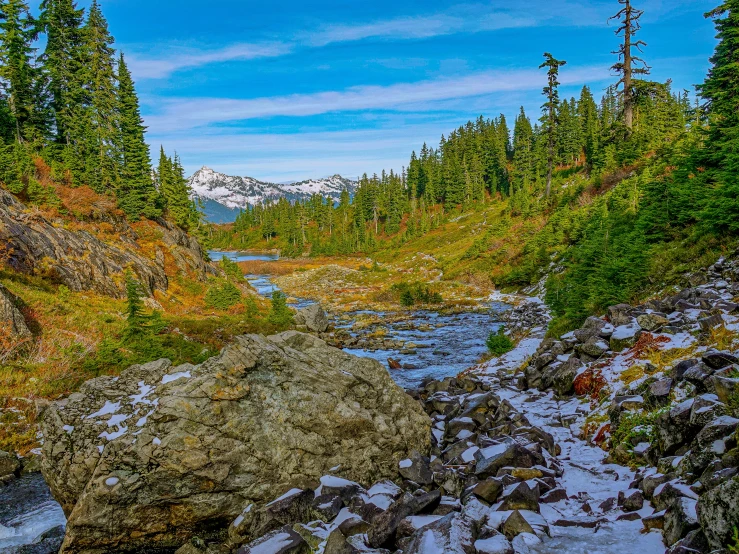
(238, 192)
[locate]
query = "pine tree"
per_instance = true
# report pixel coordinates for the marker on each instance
(136, 320)
(588, 118)
(721, 93)
(97, 123)
(628, 64)
(523, 155)
(137, 194)
(18, 75)
(549, 119)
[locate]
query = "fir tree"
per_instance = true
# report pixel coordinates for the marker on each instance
(721, 93)
(137, 194)
(549, 119)
(136, 320)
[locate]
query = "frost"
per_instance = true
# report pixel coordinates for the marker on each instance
(108, 408)
(288, 494)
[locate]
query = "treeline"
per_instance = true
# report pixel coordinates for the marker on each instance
(74, 106)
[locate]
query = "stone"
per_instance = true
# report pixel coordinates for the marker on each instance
(489, 490)
(11, 317)
(553, 496)
(295, 506)
(665, 495)
(516, 524)
(205, 432)
(416, 468)
(620, 314)
(727, 388)
(9, 464)
(383, 529)
(327, 506)
(654, 521)
(563, 379)
(520, 497)
(652, 322)
(490, 460)
(651, 482)
(680, 519)
(452, 534)
(496, 544)
(705, 409)
(694, 543)
(313, 317)
(631, 500)
(718, 513)
(281, 541)
(660, 390)
(48, 542)
(625, 336)
(719, 359)
(595, 347)
(678, 372)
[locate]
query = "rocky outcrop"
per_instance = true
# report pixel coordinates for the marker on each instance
(10, 316)
(163, 453)
(81, 261)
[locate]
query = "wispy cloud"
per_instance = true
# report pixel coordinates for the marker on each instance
(174, 59)
(196, 112)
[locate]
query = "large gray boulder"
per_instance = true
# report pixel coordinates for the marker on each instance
(147, 460)
(313, 317)
(718, 512)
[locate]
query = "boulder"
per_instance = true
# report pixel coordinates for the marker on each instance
(452, 534)
(620, 314)
(727, 388)
(652, 322)
(625, 336)
(281, 541)
(160, 454)
(313, 317)
(563, 379)
(680, 519)
(416, 468)
(10, 316)
(718, 512)
(9, 465)
(719, 359)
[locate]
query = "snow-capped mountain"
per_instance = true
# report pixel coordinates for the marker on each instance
(224, 195)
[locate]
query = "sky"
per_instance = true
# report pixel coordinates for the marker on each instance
(287, 90)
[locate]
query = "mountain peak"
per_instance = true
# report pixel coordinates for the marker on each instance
(236, 193)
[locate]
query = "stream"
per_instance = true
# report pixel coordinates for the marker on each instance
(435, 345)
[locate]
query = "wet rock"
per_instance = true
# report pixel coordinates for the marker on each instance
(718, 512)
(205, 431)
(48, 542)
(680, 519)
(281, 541)
(313, 317)
(9, 464)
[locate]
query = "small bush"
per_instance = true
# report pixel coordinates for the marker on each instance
(231, 269)
(734, 546)
(280, 315)
(499, 343)
(223, 296)
(410, 294)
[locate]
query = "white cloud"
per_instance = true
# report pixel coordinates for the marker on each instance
(197, 112)
(176, 58)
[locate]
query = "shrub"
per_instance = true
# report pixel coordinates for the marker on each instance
(231, 269)
(499, 343)
(280, 315)
(411, 294)
(223, 296)
(734, 547)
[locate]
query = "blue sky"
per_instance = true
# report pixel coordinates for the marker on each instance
(286, 90)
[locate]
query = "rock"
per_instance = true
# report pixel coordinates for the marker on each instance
(678, 372)
(208, 434)
(83, 262)
(520, 522)
(11, 317)
(520, 497)
(416, 468)
(491, 459)
(652, 322)
(327, 506)
(631, 500)
(595, 347)
(452, 534)
(651, 482)
(496, 544)
(620, 314)
(718, 512)
(625, 336)
(694, 543)
(554, 496)
(726, 388)
(489, 490)
(48, 542)
(9, 464)
(313, 317)
(716, 359)
(705, 409)
(654, 521)
(386, 524)
(660, 390)
(295, 506)
(680, 518)
(563, 379)
(394, 364)
(281, 541)
(665, 495)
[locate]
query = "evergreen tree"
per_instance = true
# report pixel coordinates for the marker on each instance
(721, 93)
(96, 122)
(549, 119)
(523, 153)
(18, 75)
(136, 320)
(137, 194)
(61, 60)
(587, 112)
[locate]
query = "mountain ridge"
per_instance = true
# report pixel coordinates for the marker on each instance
(223, 196)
